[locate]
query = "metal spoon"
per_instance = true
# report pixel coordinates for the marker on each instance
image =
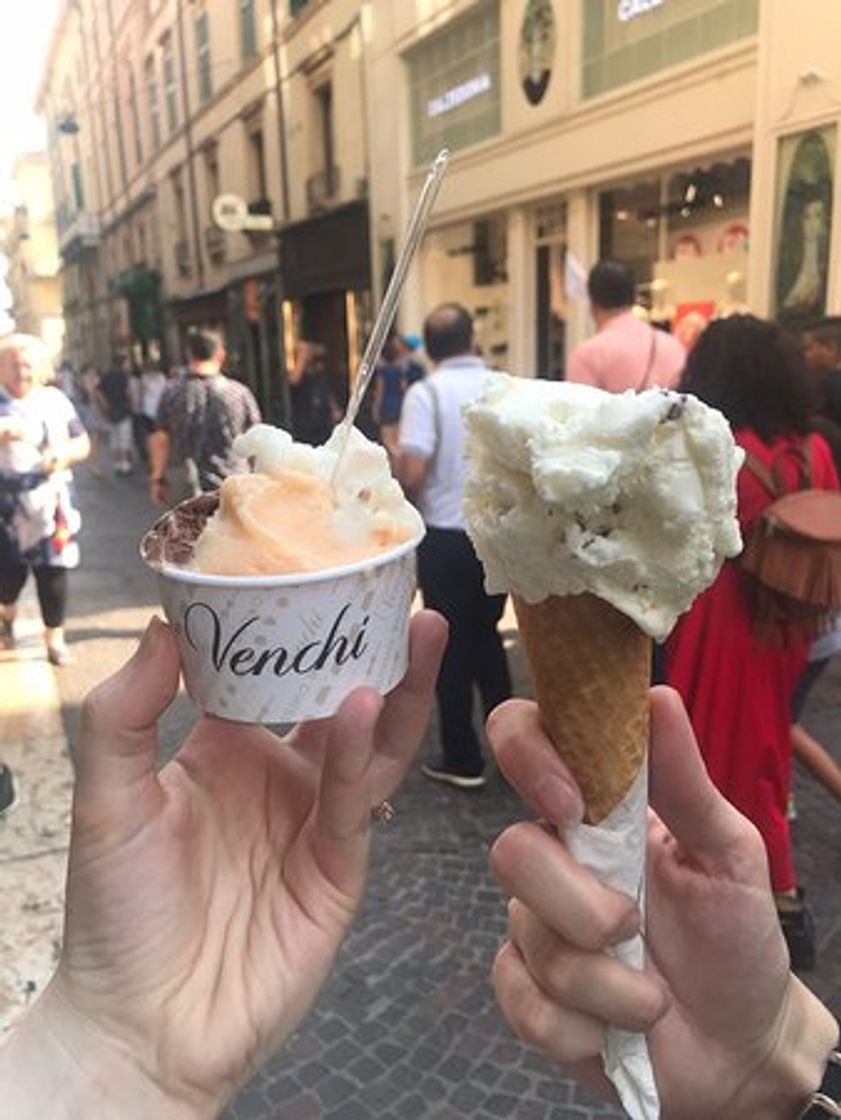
(414, 232)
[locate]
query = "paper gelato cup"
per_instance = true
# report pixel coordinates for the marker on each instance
(279, 649)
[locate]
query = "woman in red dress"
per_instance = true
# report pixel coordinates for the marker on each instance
(736, 685)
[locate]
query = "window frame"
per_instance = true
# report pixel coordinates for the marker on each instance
(153, 97)
(170, 83)
(249, 48)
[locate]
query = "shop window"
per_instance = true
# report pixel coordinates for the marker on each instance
(685, 234)
(629, 225)
(803, 224)
(625, 40)
(489, 252)
(454, 95)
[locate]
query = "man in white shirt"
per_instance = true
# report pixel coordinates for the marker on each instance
(432, 469)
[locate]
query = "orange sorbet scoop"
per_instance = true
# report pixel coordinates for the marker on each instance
(286, 523)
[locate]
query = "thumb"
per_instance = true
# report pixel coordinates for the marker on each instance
(118, 749)
(681, 791)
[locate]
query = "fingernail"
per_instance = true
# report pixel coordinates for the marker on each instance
(557, 800)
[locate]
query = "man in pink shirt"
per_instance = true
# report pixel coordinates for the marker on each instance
(626, 353)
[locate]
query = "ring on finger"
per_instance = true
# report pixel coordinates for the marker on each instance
(384, 813)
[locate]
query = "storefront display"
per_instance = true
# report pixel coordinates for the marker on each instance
(685, 234)
(467, 263)
(803, 224)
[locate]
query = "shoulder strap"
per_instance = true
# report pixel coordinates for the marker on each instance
(436, 416)
(652, 350)
(772, 479)
(762, 474)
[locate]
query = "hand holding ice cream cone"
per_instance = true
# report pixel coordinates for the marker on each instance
(604, 515)
(730, 1031)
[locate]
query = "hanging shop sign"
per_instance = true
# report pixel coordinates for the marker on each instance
(232, 213)
(537, 49)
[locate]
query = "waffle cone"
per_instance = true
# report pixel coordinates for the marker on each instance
(591, 669)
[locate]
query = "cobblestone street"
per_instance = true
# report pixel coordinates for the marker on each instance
(407, 1026)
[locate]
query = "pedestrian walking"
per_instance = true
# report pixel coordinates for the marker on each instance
(90, 412)
(390, 385)
(41, 438)
(736, 678)
(626, 353)
(114, 396)
(151, 383)
(198, 419)
(432, 468)
(314, 410)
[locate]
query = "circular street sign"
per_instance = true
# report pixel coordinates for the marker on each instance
(230, 211)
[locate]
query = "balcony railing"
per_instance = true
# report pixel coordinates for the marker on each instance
(323, 188)
(79, 233)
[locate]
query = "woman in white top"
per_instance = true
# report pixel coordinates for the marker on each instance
(41, 437)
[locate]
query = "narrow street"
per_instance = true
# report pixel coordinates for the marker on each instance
(407, 1026)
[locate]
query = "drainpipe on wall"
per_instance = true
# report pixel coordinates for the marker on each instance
(284, 214)
(188, 137)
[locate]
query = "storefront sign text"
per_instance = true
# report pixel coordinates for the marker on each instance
(458, 95)
(627, 10)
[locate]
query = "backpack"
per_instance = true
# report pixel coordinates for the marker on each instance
(793, 554)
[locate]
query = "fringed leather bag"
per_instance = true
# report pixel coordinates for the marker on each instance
(793, 555)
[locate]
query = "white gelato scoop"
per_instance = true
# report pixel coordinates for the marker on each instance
(630, 497)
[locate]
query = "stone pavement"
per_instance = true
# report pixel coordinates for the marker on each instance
(34, 837)
(407, 1026)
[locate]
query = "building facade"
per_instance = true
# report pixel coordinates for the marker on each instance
(695, 139)
(31, 251)
(157, 108)
(579, 130)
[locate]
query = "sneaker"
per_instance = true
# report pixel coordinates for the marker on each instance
(59, 655)
(8, 796)
(798, 928)
(449, 777)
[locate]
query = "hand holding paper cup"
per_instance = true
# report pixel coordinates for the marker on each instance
(293, 585)
(289, 589)
(604, 515)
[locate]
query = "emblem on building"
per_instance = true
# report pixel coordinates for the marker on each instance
(537, 49)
